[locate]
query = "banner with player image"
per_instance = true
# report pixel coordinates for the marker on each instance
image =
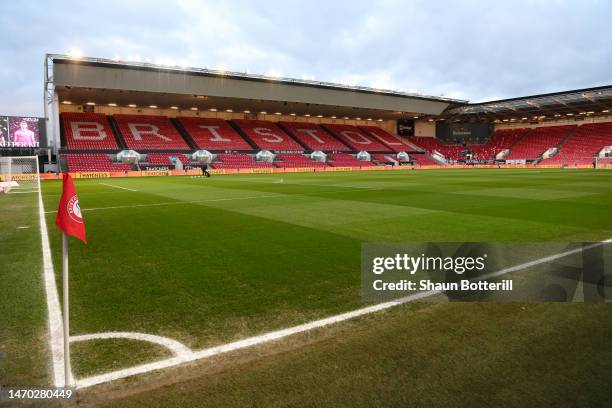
(21, 132)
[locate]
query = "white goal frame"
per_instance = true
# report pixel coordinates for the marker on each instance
(19, 174)
(603, 162)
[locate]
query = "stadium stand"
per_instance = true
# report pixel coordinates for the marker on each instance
(238, 161)
(423, 159)
(583, 144)
(161, 159)
(536, 142)
(88, 131)
(346, 160)
(396, 143)
(453, 152)
(213, 134)
(314, 136)
(384, 158)
(93, 162)
(295, 160)
(144, 132)
(267, 135)
(499, 141)
(352, 136)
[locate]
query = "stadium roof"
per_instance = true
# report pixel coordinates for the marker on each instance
(82, 78)
(578, 103)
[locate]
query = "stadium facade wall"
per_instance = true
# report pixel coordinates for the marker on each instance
(424, 128)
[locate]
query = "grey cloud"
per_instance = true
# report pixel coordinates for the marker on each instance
(475, 50)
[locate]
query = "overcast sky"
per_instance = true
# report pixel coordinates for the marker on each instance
(474, 50)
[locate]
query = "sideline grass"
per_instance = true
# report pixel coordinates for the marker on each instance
(23, 312)
(462, 354)
(255, 254)
(206, 261)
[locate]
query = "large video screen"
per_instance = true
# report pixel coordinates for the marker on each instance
(462, 133)
(20, 131)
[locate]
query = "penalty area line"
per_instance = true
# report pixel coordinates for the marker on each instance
(280, 334)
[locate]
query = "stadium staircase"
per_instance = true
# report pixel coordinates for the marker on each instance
(392, 141)
(540, 139)
(330, 142)
(385, 159)
(116, 133)
(518, 139)
(268, 136)
(582, 146)
(242, 133)
(346, 134)
(292, 135)
(183, 132)
(558, 146)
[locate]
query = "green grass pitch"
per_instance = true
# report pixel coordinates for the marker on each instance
(209, 261)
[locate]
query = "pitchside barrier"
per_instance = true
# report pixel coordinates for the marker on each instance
(159, 173)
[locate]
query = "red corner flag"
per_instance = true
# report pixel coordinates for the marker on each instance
(69, 218)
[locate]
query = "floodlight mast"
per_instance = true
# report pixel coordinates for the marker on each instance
(50, 107)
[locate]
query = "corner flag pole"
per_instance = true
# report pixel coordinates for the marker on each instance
(68, 380)
(70, 220)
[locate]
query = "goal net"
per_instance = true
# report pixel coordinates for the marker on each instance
(603, 162)
(19, 174)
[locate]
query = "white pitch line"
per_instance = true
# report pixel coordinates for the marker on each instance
(178, 348)
(115, 186)
(114, 207)
(56, 326)
(279, 334)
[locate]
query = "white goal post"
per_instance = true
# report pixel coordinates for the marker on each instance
(603, 162)
(19, 174)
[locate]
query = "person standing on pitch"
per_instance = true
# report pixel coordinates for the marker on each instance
(205, 172)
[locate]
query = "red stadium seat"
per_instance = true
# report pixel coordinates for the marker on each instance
(93, 162)
(352, 136)
(162, 159)
(346, 160)
(214, 134)
(144, 132)
(396, 143)
(423, 159)
(296, 160)
(88, 131)
(501, 140)
(537, 141)
(583, 145)
(238, 161)
(315, 137)
(453, 152)
(384, 158)
(267, 135)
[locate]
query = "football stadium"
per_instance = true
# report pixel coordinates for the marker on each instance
(187, 236)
